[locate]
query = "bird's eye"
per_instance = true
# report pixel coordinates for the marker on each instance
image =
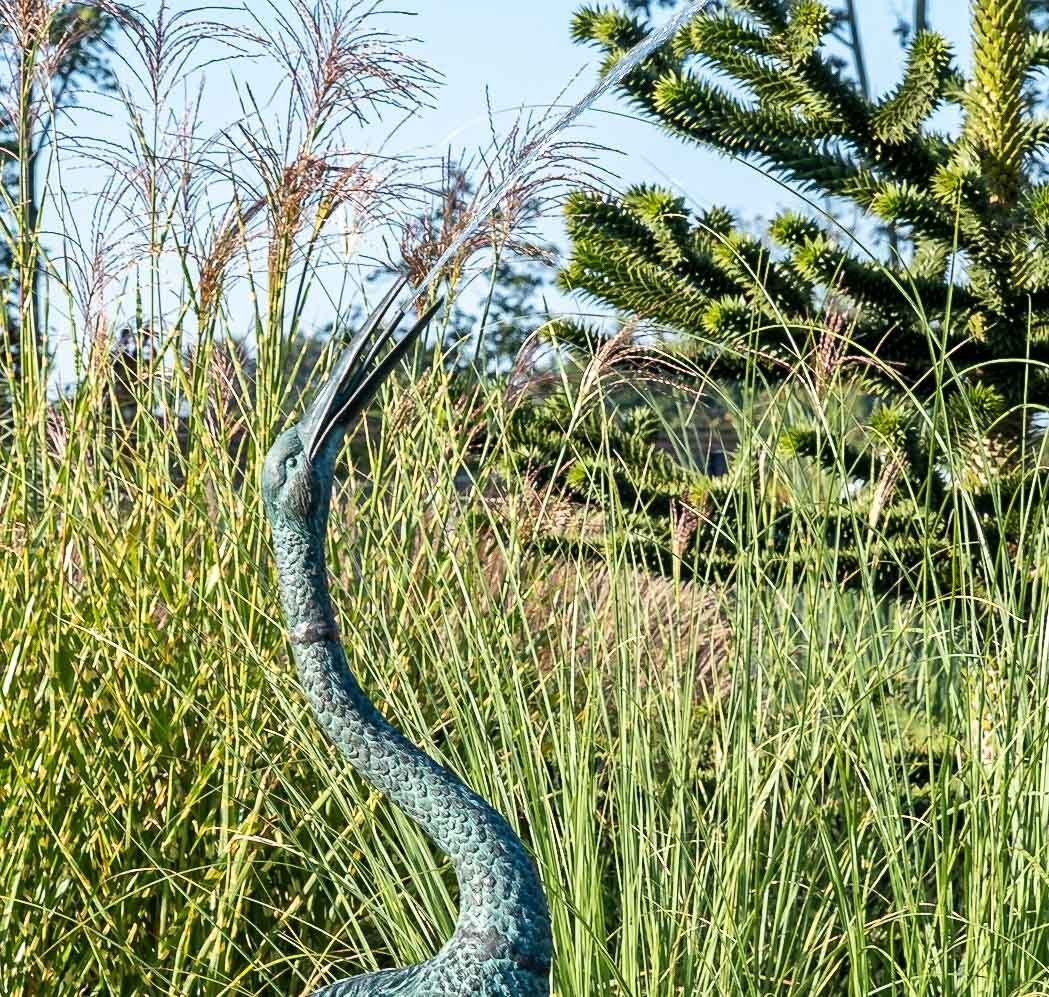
(291, 463)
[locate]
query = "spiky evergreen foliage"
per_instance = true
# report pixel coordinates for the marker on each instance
(946, 331)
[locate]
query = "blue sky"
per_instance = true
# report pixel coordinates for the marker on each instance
(523, 53)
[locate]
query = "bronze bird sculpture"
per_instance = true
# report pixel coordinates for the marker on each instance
(501, 946)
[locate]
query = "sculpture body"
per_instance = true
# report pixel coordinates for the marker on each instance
(501, 946)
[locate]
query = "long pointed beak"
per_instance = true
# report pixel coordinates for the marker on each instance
(358, 374)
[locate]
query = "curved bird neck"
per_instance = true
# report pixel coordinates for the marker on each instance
(502, 912)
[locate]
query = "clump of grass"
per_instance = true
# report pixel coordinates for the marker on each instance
(830, 822)
(176, 823)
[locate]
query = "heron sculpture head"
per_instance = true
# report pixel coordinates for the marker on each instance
(298, 470)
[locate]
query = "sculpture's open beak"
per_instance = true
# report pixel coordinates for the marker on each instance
(357, 374)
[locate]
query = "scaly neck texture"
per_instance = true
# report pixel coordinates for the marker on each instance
(502, 909)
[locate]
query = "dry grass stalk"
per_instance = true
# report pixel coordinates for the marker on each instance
(165, 43)
(307, 193)
(684, 522)
(526, 374)
(231, 236)
(40, 37)
(829, 354)
(340, 67)
(455, 218)
(885, 488)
